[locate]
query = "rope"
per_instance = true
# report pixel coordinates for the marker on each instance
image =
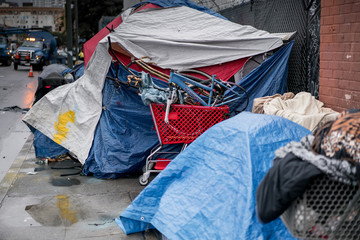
(152, 70)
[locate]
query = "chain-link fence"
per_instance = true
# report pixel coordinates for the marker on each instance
(283, 16)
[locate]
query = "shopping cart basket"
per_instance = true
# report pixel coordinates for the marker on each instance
(327, 210)
(185, 124)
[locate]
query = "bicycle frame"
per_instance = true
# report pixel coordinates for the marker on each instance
(181, 82)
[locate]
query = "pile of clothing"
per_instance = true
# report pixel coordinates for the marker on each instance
(333, 150)
(301, 108)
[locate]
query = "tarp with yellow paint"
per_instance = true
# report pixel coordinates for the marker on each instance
(69, 114)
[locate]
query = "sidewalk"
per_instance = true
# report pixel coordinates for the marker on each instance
(37, 203)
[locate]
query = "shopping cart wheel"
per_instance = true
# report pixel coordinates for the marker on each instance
(150, 166)
(143, 180)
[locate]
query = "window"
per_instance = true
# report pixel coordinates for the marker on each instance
(39, 12)
(44, 12)
(34, 12)
(10, 12)
(50, 12)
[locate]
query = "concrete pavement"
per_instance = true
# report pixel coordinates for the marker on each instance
(36, 202)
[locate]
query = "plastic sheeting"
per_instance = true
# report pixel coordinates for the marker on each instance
(53, 71)
(89, 46)
(69, 114)
(45, 147)
(208, 190)
(183, 38)
(267, 79)
(52, 75)
(125, 133)
(178, 3)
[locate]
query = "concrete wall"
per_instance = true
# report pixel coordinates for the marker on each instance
(339, 82)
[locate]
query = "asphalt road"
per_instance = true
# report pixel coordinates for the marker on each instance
(16, 93)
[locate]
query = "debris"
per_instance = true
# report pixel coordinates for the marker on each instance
(15, 109)
(42, 161)
(64, 182)
(39, 169)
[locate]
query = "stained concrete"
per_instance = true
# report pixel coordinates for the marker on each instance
(45, 205)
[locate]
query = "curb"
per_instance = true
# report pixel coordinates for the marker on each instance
(11, 175)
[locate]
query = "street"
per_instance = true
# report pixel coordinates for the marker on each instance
(16, 93)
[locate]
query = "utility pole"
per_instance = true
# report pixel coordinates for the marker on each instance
(69, 33)
(76, 29)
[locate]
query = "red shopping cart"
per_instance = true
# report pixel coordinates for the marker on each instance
(185, 123)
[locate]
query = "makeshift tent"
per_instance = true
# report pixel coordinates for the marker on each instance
(74, 115)
(208, 190)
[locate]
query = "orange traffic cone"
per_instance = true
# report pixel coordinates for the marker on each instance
(31, 73)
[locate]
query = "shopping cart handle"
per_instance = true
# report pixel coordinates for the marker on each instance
(168, 103)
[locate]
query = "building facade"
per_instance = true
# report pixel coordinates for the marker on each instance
(35, 3)
(50, 18)
(48, 3)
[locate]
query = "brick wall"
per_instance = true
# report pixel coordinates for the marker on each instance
(339, 82)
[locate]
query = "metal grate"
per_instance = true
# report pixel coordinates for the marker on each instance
(327, 210)
(186, 122)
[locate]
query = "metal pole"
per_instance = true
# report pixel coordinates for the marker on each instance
(69, 33)
(76, 29)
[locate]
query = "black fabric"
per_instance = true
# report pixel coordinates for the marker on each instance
(46, 85)
(283, 183)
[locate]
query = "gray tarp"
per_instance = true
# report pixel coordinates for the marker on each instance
(182, 37)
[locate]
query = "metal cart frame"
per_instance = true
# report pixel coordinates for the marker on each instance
(185, 123)
(327, 210)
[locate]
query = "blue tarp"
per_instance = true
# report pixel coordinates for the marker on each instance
(46, 147)
(179, 3)
(208, 190)
(267, 79)
(125, 133)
